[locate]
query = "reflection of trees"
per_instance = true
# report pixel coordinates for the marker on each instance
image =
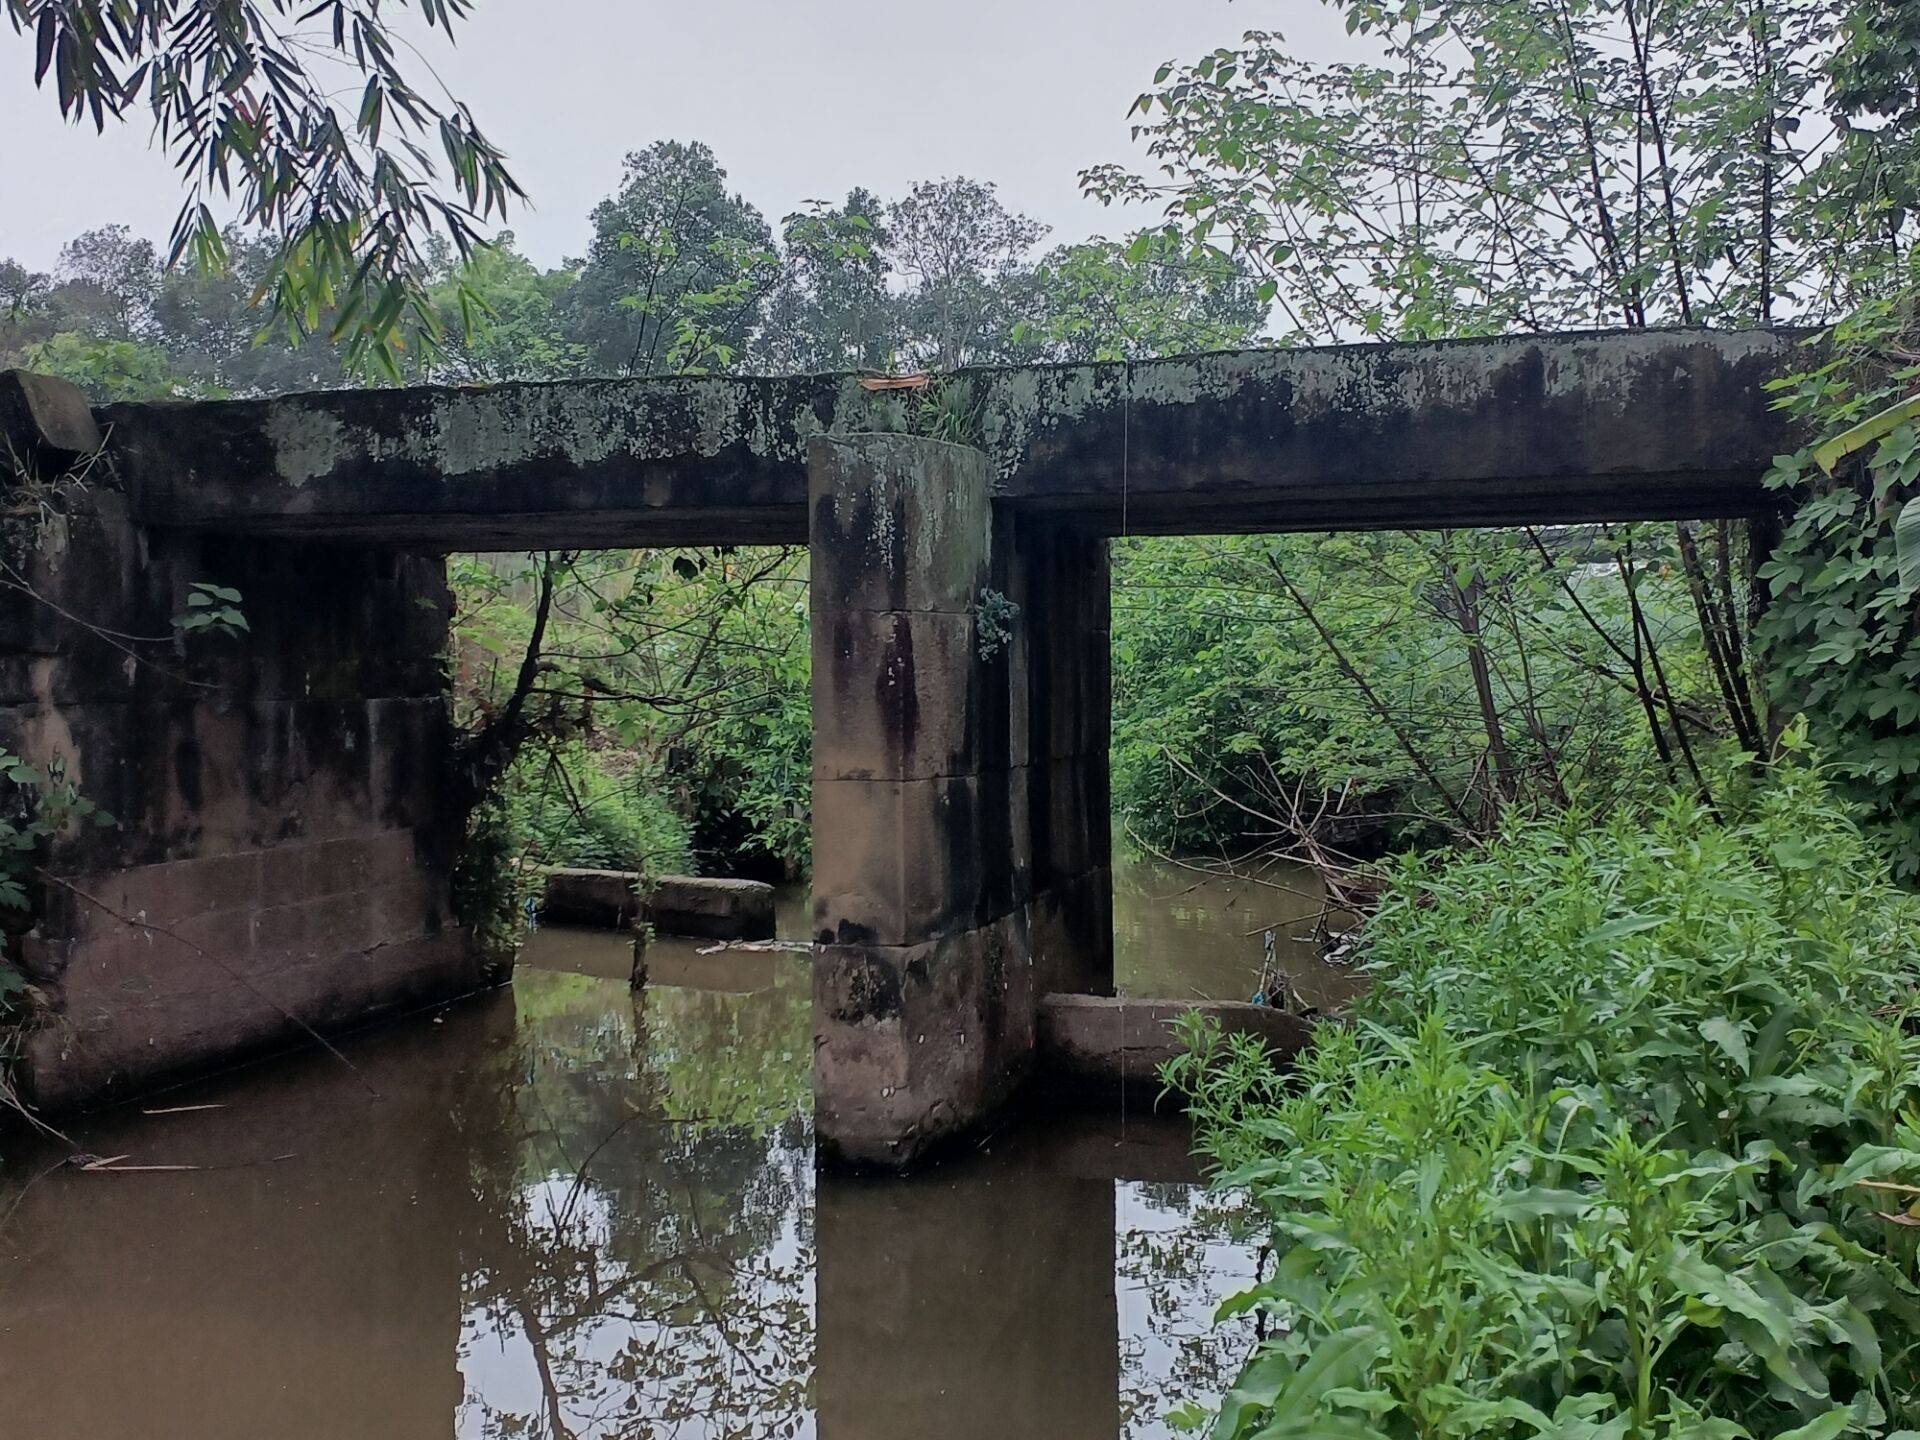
(1178, 1252)
(600, 1218)
(643, 1168)
(646, 1262)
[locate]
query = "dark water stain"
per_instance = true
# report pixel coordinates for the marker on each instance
(566, 1211)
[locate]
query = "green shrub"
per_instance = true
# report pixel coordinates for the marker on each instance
(1619, 1145)
(1232, 703)
(570, 805)
(1842, 632)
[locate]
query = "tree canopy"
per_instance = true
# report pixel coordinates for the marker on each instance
(242, 94)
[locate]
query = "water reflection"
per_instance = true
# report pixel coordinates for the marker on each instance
(1182, 933)
(566, 1211)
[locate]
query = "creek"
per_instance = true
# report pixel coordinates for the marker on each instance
(567, 1210)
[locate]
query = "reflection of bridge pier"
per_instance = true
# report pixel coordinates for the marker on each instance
(976, 1300)
(980, 1298)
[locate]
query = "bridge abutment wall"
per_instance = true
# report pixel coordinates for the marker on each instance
(276, 858)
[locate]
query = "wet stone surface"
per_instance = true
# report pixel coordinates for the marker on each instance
(566, 1211)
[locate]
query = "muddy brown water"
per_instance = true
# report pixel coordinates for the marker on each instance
(562, 1210)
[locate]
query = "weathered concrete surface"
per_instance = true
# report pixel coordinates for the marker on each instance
(959, 790)
(276, 859)
(922, 996)
(1102, 1047)
(1528, 429)
(1061, 578)
(602, 899)
(46, 422)
(711, 907)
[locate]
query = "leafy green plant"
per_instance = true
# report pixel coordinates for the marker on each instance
(568, 805)
(43, 803)
(212, 608)
(490, 887)
(1619, 1145)
(994, 617)
(1842, 631)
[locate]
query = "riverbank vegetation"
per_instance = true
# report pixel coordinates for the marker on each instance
(1621, 1142)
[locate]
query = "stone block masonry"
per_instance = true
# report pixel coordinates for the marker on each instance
(277, 858)
(959, 816)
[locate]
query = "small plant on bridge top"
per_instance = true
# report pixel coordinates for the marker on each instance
(948, 410)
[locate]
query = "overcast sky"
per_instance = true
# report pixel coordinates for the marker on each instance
(800, 99)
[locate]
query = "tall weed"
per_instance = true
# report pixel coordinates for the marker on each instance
(1623, 1143)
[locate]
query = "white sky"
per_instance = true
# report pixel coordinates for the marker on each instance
(800, 99)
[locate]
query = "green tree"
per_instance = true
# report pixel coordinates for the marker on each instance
(677, 270)
(246, 97)
(105, 284)
(522, 334)
(961, 253)
(107, 370)
(1536, 164)
(1102, 300)
(833, 310)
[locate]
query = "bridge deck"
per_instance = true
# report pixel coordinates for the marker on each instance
(1543, 430)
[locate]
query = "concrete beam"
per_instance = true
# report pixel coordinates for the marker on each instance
(1555, 429)
(1532, 429)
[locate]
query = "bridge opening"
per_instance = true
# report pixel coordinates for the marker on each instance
(665, 714)
(1288, 707)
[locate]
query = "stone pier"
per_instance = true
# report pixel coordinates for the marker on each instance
(960, 664)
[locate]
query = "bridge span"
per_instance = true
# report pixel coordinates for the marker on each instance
(285, 837)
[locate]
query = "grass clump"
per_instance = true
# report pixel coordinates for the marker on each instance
(1623, 1143)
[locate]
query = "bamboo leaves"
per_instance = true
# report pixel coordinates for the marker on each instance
(241, 95)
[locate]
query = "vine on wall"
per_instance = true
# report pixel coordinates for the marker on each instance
(1842, 631)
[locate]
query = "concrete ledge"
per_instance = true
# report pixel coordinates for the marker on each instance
(677, 905)
(1102, 1047)
(602, 899)
(711, 909)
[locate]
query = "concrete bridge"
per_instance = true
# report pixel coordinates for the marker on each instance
(282, 856)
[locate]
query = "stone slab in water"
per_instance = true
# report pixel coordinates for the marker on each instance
(708, 909)
(601, 899)
(712, 909)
